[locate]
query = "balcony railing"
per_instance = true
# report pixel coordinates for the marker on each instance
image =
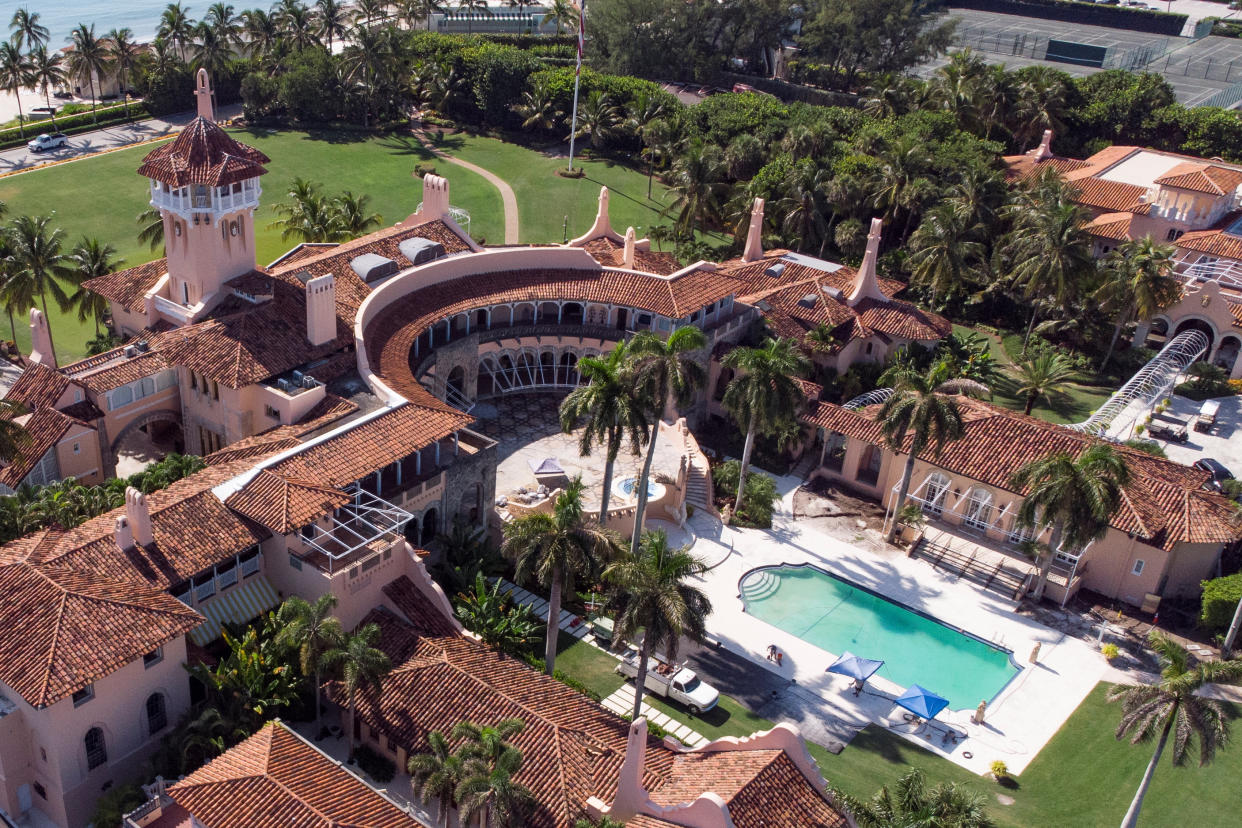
(358, 529)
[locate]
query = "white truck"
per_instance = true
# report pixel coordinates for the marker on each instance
(47, 142)
(671, 681)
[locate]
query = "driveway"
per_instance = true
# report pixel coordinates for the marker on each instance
(85, 144)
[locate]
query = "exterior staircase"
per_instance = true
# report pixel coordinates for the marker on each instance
(698, 478)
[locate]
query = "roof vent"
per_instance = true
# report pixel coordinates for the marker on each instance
(372, 267)
(834, 293)
(420, 251)
(305, 276)
(808, 301)
(775, 270)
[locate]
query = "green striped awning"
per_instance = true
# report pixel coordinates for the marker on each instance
(236, 605)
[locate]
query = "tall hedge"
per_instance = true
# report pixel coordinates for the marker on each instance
(1220, 601)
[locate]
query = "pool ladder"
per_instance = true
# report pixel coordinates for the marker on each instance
(760, 585)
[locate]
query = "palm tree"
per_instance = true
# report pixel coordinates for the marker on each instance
(123, 52)
(898, 183)
(211, 51)
(47, 69)
(802, 206)
(262, 32)
(413, 12)
(919, 409)
(151, 228)
(1051, 254)
(537, 109)
(365, 60)
(308, 216)
(177, 27)
(28, 32)
(697, 183)
(16, 292)
(948, 805)
(611, 409)
(556, 549)
(651, 594)
(487, 788)
(1042, 97)
(89, 259)
(299, 26)
(1138, 284)
(471, 8)
(1045, 376)
(362, 666)
(764, 394)
(1171, 702)
(599, 119)
(1075, 497)
(313, 630)
(436, 774)
(224, 23)
(371, 10)
(661, 141)
(352, 218)
(664, 371)
(332, 20)
(14, 77)
(644, 109)
(38, 259)
(90, 56)
(944, 251)
(563, 13)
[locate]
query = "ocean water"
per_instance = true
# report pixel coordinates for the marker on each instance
(142, 16)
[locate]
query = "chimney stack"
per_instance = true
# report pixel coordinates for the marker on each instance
(628, 256)
(321, 309)
(435, 198)
(139, 517)
(754, 236)
(203, 92)
(124, 537)
(1044, 150)
(865, 284)
(41, 340)
(631, 795)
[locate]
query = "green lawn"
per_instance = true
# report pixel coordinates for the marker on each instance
(1083, 778)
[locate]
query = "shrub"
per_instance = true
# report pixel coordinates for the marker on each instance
(1110, 651)
(570, 681)
(999, 770)
(1219, 602)
(115, 804)
(759, 499)
(380, 768)
(1148, 446)
(1232, 488)
(424, 170)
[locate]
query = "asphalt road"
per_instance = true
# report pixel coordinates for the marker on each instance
(88, 143)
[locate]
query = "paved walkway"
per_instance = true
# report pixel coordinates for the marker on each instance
(507, 196)
(86, 144)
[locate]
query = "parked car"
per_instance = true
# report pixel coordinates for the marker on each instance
(671, 681)
(1167, 431)
(48, 141)
(1207, 415)
(1219, 473)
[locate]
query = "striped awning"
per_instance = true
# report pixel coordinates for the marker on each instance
(236, 605)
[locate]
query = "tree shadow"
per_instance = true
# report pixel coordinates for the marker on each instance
(406, 145)
(641, 201)
(338, 136)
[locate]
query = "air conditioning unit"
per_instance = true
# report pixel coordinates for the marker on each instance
(284, 385)
(296, 376)
(143, 346)
(130, 351)
(310, 382)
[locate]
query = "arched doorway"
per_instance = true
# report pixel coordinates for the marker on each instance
(1227, 353)
(572, 314)
(431, 526)
(1201, 325)
(457, 380)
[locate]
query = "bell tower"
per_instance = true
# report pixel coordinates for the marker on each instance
(206, 186)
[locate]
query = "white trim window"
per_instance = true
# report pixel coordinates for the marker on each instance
(934, 494)
(978, 514)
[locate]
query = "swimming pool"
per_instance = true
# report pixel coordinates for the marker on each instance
(836, 615)
(628, 487)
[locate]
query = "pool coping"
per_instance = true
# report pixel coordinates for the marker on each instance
(960, 631)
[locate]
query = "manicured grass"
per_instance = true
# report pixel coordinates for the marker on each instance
(1083, 778)
(546, 200)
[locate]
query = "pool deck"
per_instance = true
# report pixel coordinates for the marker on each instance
(1019, 722)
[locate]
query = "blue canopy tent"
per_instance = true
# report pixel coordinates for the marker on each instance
(856, 667)
(921, 702)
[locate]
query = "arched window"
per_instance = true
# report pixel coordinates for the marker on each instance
(933, 499)
(978, 509)
(96, 751)
(157, 714)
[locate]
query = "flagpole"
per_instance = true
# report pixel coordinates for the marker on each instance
(573, 128)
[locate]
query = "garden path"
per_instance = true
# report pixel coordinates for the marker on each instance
(507, 196)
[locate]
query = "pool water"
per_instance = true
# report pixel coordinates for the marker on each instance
(835, 615)
(629, 486)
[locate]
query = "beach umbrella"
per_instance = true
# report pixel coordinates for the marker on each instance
(856, 667)
(921, 702)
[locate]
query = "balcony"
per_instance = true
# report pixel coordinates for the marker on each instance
(217, 200)
(360, 530)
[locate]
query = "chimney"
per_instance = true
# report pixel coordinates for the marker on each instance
(865, 284)
(124, 537)
(435, 198)
(603, 225)
(754, 236)
(41, 340)
(1044, 150)
(631, 795)
(628, 256)
(203, 92)
(321, 309)
(139, 517)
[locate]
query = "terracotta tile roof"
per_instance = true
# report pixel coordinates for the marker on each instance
(1164, 504)
(902, 320)
(573, 748)
(45, 427)
(276, 779)
(406, 597)
(128, 287)
(1214, 241)
(38, 387)
(83, 411)
(257, 446)
(284, 504)
(302, 252)
(203, 153)
(370, 446)
(760, 787)
(391, 335)
(1108, 195)
(1203, 178)
(1025, 166)
(1115, 226)
(612, 254)
(329, 410)
(71, 628)
(254, 283)
(122, 372)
